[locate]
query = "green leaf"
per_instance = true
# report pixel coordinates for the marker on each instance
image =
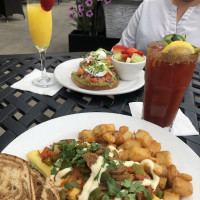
(58, 163)
(113, 187)
(32, 165)
(74, 184)
(54, 171)
(122, 194)
(147, 194)
(131, 196)
(94, 147)
(105, 197)
(68, 186)
(126, 183)
(135, 187)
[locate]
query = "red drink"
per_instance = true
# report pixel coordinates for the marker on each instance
(166, 78)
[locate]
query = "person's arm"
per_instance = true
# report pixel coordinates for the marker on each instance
(129, 34)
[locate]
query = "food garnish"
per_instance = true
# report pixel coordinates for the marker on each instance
(47, 4)
(179, 47)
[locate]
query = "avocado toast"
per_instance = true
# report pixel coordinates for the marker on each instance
(96, 72)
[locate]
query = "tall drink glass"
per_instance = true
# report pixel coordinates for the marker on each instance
(166, 78)
(40, 26)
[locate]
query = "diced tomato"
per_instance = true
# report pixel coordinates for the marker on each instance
(87, 78)
(139, 177)
(47, 153)
(94, 80)
(140, 53)
(103, 79)
(81, 72)
(130, 51)
(108, 76)
(108, 58)
(119, 48)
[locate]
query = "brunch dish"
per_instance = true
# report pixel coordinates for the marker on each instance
(127, 54)
(128, 62)
(96, 72)
(63, 75)
(105, 150)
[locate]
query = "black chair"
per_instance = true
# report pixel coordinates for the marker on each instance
(10, 7)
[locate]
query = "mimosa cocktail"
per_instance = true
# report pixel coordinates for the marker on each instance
(40, 26)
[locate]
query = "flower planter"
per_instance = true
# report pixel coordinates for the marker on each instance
(79, 41)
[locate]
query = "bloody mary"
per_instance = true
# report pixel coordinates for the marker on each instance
(166, 78)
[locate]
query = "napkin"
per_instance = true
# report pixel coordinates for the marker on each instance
(26, 84)
(182, 126)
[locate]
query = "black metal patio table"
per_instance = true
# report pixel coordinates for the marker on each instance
(21, 110)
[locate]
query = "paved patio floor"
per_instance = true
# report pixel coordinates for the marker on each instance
(15, 37)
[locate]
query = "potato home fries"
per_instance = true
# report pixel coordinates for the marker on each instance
(112, 164)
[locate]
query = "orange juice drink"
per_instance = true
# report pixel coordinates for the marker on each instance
(40, 25)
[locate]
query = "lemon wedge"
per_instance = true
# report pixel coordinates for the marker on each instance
(179, 47)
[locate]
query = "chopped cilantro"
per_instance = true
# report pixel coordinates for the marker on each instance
(130, 189)
(122, 194)
(126, 183)
(32, 165)
(113, 187)
(68, 186)
(105, 197)
(54, 171)
(94, 147)
(74, 184)
(71, 153)
(71, 185)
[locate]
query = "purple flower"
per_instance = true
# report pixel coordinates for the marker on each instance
(71, 16)
(107, 1)
(71, 9)
(89, 13)
(89, 3)
(80, 14)
(81, 7)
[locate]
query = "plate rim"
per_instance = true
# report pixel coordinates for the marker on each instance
(98, 92)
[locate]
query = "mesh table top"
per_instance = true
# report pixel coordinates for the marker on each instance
(21, 110)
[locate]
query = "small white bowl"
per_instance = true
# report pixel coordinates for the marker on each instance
(128, 71)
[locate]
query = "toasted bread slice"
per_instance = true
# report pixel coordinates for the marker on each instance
(38, 180)
(15, 178)
(50, 192)
(94, 87)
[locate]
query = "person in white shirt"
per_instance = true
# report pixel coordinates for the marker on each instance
(156, 18)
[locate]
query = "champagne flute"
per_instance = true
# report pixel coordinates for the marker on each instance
(40, 26)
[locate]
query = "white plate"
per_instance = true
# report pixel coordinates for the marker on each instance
(63, 75)
(69, 126)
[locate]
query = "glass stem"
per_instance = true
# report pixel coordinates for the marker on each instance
(44, 77)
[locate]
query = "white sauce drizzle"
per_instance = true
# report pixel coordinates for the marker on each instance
(92, 184)
(58, 177)
(154, 182)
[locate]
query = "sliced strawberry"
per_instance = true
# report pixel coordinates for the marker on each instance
(130, 51)
(124, 56)
(119, 48)
(140, 53)
(47, 4)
